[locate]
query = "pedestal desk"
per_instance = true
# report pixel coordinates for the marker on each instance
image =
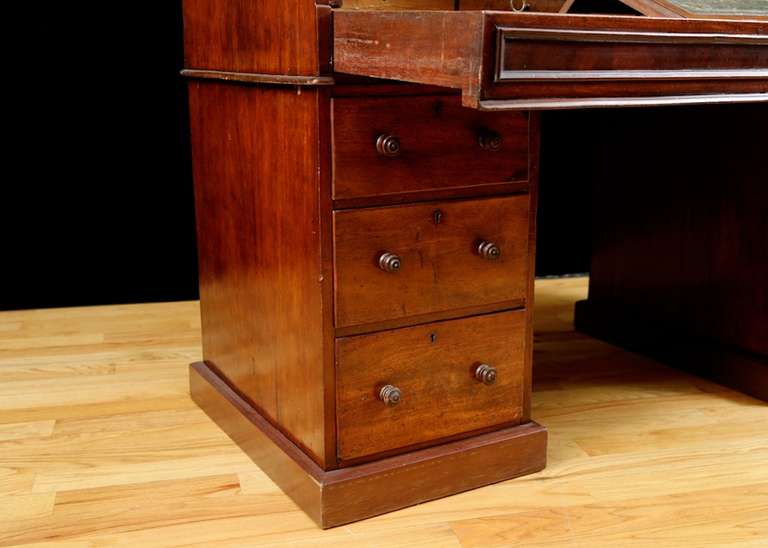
(366, 185)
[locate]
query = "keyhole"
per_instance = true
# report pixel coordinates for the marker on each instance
(438, 216)
(432, 337)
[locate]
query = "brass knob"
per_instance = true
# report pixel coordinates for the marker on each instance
(389, 262)
(388, 145)
(490, 141)
(485, 373)
(390, 395)
(488, 250)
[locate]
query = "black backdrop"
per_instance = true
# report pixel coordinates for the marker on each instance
(97, 203)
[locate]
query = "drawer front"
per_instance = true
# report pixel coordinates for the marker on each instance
(386, 146)
(441, 264)
(433, 367)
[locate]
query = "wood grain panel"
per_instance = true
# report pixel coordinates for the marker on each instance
(439, 146)
(441, 269)
(262, 272)
(252, 36)
(433, 365)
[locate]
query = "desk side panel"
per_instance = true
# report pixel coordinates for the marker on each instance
(263, 277)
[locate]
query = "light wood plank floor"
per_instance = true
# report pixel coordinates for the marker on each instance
(100, 445)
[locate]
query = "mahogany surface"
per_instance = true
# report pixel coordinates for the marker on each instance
(439, 146)
(262, 270)
(433, 365)
(252, 37)
(441, 269)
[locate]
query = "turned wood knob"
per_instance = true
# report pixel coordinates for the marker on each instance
(388, 145)
(488, 250)
(389, 262)
(390, 395)
(490, 141)
(485, 373)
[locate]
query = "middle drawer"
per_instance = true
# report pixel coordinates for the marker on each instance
(397, 262)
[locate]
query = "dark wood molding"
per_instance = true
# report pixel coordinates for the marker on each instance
(621, 102)
(511, 37)
(349, 494)
(250, 78)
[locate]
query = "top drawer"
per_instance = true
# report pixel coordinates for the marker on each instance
(388, 146)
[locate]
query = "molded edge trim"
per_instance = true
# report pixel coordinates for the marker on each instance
(252, 78)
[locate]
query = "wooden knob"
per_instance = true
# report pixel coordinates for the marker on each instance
(490, 141)
(388, 145)
(485, 373)
(390, 395)
(389, 262)
(488, 250)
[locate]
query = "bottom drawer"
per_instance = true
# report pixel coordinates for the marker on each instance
(440, 379)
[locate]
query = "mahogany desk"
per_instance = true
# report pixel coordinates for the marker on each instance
(366, 185)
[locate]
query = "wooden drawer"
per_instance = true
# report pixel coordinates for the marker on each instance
(441, 265)
(442, 146)
(433, 366)
(503, 61)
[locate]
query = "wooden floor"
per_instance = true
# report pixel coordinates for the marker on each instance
(100, 445)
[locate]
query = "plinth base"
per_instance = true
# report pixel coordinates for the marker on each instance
(336, 497)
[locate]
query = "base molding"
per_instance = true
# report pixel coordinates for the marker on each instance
(336, 497)
(742, 371)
